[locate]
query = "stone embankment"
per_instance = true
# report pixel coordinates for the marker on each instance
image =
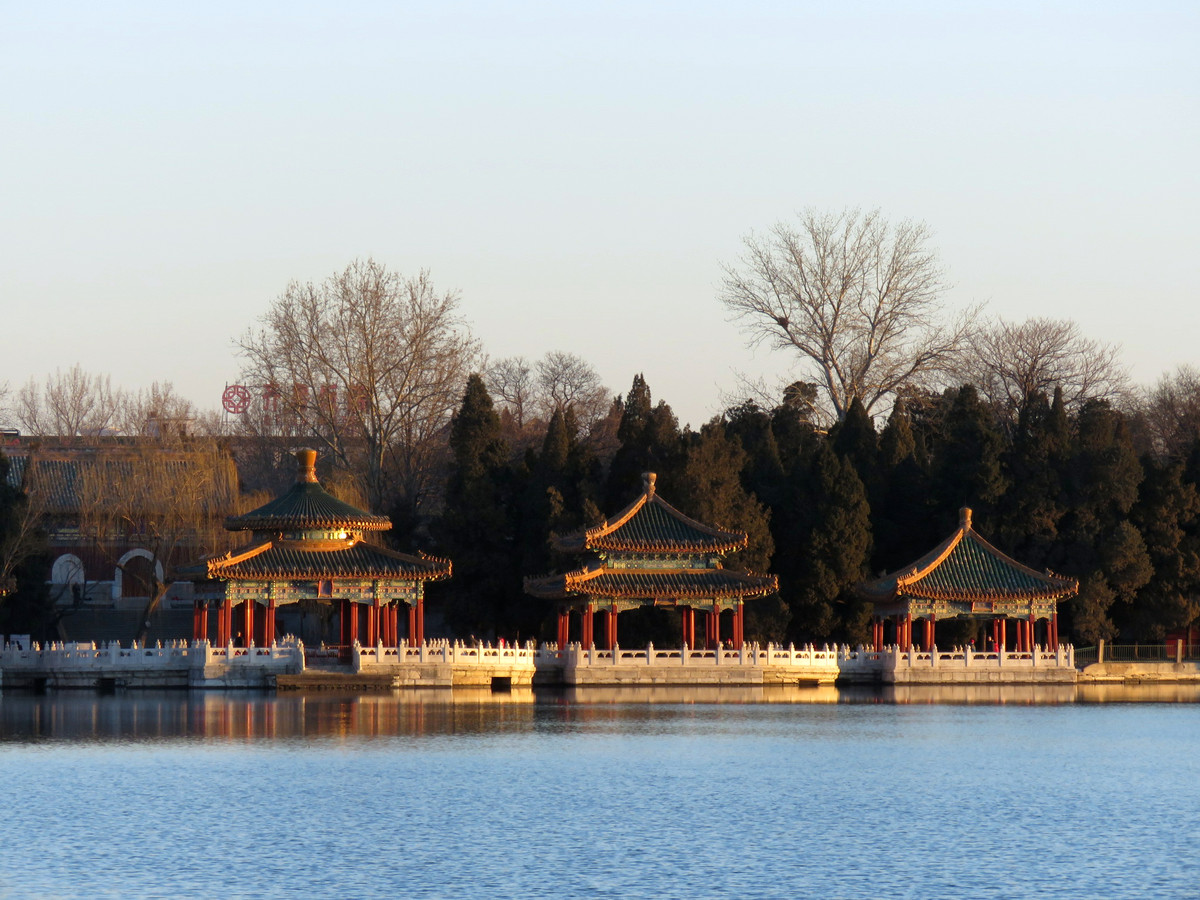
(177, 664)
(454, 664)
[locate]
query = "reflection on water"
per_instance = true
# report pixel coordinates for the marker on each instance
(327, 715)
(704, 694)
(1138, 693)
(984, 792)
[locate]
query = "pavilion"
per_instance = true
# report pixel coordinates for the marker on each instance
(651, 554)
(965, 576)
(308, 547)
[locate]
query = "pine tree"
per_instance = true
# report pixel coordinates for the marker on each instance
(1096, 542)
(900, 521)
(475, 528)
(650, 442)
(967, 469)
(1027, 518)
(855, 440)
(1167, 515)
(826, 553)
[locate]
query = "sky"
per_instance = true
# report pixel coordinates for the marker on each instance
(580, 172)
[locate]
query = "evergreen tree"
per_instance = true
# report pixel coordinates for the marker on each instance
(650, 442)
(1027, 520)
(1167, 515)
(762, 471)
(967, 467)
(826, 552)
(855, 440)
(710, 490)
(475, 529)
(900, 521)
(1096, 542)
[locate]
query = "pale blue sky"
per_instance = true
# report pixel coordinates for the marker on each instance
(580, 171)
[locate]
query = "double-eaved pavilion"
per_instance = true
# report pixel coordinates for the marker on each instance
(965, 576)
(308, 546)
(651, 554)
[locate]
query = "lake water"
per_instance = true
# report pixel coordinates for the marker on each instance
(1004, 793)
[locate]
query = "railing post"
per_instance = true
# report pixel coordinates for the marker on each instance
(1100, 651)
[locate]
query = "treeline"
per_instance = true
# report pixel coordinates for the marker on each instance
(1094, 493)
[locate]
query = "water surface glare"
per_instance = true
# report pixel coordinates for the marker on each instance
(602, 794)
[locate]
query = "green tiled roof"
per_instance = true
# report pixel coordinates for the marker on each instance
(291, 560)
(966, 567)
(651, 584)
(652, 525)
(307, 506)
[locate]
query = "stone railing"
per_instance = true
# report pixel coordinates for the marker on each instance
(749, 655)
(454, 653)
(74, 662)
(956, 664)
(956, 658)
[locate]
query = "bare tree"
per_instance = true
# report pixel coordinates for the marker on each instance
(20, 525)
(857, 298)
(1171, 411)
(1010, 362)
(170, 502)
(156, 412)
(68, 404)
(565, 381)
(372, 364)
(511, 384)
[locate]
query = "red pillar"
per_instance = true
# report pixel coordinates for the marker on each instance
(420, 621)
(269, 636)
(247, 623)
(564, 624)
(715, 641)
(610, 628)
(352, 608)
(739, 625)
(1032, 630)
(372, 624)
(412, 624)
(1053, 626)
(200, 621)
(1003, 642)
(589, 635)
